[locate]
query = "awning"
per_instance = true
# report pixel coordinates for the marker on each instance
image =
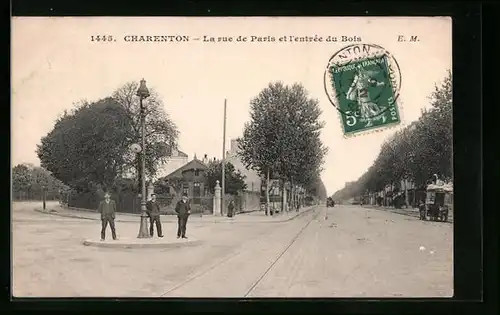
(445, 187)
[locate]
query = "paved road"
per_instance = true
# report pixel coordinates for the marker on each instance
(354, 252)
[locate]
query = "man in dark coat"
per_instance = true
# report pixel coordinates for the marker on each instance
(107, 208)
(153, 209)
(230, 209)
(183, 209)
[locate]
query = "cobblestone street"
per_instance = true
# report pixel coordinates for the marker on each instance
(345, 251)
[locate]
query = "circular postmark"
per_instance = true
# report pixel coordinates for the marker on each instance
(363, 81)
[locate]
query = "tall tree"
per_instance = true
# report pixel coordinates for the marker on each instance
(161, 131)
(283, 135)
(258, 148)
(90, 145)
(302, 153)
(21, 179)
(87, 146)
(30, 180)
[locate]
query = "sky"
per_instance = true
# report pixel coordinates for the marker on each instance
(55, 64)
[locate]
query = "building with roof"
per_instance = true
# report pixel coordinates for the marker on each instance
(174, 162)
(252, 178)
(188, 179)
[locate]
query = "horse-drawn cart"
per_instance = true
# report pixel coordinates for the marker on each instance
(435, 207)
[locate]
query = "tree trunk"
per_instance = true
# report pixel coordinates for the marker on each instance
(289, 199)
(414, 196)
(407, 200)
(282, 196)
(296, 200)
(267, 192)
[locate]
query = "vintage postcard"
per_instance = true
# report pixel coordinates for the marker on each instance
(232, 157)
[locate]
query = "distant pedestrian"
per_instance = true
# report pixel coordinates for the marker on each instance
(107, 208)
(153, 209)
(183, 210)
(230, 209)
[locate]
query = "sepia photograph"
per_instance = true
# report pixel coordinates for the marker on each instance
(232, 157)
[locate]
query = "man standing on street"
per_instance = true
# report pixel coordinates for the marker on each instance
(230, 209)
(183, 210)
(107, 208)
(154, 216)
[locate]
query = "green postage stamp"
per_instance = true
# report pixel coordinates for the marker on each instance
(363, 81)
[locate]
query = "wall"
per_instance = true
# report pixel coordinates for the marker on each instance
(247, 201)
(167, 204)
(244, 202)
(252, 179)
(125, 202)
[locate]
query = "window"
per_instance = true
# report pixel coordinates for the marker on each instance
(196, 189)
(196, 172)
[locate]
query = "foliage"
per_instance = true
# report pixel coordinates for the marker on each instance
(163, 185)
(282, 136)
(161, 131)
(21, 178)
(125, 185)
(89, 147)
(317, 188)
(30, 179)
(416, 152)
(234, 180)
(301, 152)
(86, 147)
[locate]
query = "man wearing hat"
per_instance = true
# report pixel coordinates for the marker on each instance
(183, 209)
(154, 216)
(107, 208)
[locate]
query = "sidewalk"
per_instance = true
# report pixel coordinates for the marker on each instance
(247, 217)
(412, 212)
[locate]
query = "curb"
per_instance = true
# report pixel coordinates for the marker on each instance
(208, 221)
(408, 214)
(64, 215)
(276, 221)
(74, 216)
(140, 245)
(95, 211)
(138, 214)
(295, 216)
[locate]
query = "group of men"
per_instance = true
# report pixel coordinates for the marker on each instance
(107, 208)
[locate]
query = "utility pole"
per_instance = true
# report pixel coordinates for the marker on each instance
(223, 162)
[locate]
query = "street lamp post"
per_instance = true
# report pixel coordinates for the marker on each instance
(143, 93)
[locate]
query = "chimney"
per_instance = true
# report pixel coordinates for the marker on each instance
(205, 159)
